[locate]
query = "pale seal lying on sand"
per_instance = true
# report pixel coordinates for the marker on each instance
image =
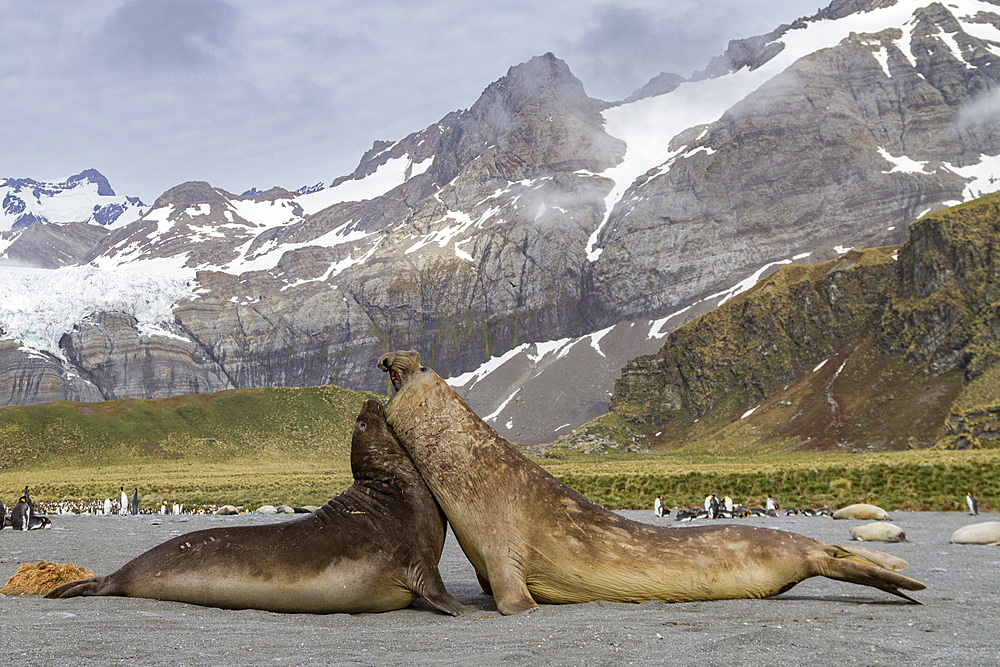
(985, 532)
(878, 532)
(532, 539)
(862, 512)
(375, 547)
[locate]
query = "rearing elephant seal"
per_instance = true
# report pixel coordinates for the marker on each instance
(532, 539)
(375, 547)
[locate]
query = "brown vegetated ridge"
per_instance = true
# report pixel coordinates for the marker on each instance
(885, 348)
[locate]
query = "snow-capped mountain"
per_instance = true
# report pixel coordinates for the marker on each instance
(544, 233)
(86, 197)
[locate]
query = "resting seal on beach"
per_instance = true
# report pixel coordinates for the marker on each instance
(375, 547)
(862, 512)
(878, 531)
(532, 539)
(984, 532)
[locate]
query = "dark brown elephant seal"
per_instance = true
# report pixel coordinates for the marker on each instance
(532, 539)
(375, 547)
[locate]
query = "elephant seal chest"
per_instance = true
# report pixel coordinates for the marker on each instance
(375, 547)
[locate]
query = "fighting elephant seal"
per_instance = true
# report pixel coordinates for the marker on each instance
(532, 539)
(862, 512)
(985, 532)
(878, 532)
(375, 547)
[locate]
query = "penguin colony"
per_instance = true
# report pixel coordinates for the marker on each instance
(26, 515)
(714, 508)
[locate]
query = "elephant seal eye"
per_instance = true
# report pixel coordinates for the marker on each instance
(362, 426)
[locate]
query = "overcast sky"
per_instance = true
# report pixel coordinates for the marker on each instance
(246, 93)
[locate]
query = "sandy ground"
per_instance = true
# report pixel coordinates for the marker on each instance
(819, 620)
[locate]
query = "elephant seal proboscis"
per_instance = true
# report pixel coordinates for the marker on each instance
(532, 539)
(862, 512)
(375, 547)
(984, 532)
(878, 531)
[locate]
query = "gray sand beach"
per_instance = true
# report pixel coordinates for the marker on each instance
(819, 620)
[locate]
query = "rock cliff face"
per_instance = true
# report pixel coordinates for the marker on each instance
(804, 163)
(845, 348)
(540, 214)
(112, 355)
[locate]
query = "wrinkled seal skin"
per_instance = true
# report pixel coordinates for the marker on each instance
(374, 547)
(532, 539)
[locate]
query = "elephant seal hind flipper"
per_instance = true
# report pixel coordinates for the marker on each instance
(71, 589)
(375, 547)
(531, 539)
(868, 568)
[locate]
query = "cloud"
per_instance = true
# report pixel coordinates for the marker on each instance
(982, 110)
(258, 93)
(625, 46)
(167, 37)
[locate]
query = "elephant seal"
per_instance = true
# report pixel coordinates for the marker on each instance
(532, 539)
(375, 547)
(862, 512)
(878, 532)
(984, 532)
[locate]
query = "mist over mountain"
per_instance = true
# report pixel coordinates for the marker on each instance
(530, 245)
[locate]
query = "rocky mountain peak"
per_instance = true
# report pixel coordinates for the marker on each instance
(86, 197)
(751, 53)
(190, 193)
(538, 115)
(93, 176)
(838, 9)
(662, 83)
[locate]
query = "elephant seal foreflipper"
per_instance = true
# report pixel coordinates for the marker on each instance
(375, 547)
(531, 538)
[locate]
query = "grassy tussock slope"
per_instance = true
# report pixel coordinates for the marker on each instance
(313, 422)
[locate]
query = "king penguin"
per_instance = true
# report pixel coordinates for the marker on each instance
(123, 507)
(20, 516)
(713, 507)
(3, 514)
(31, 503)
(970, 500)
(133, 506)
(658, 506)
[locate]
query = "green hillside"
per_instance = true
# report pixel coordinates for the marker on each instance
(312, 422)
